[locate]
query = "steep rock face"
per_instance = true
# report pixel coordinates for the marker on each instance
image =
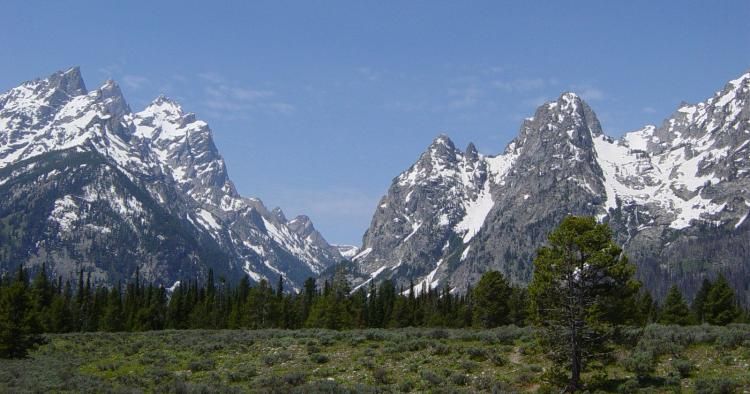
(678, 193)
(75, 210)
(170, 157)
(676, 197)
(555, 173)
(427, 208)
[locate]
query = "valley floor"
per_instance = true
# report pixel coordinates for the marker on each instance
(667, 358)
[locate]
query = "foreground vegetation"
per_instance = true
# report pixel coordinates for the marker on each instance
(587, 310)
(703, 359)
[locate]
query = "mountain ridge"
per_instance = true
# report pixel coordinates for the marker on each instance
(165, 151)
(657, 187)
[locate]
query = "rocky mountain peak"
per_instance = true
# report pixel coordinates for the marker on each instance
(112, 99)
(302, 225)
(560, 132)
(69, 81)
(167, 160)
(471, 152)
(443, 147)
(279, 215)
(164, 107)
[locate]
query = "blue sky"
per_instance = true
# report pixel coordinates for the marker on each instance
(317, 105)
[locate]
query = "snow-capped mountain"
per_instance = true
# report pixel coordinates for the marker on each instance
(675, 195)
(155, 177)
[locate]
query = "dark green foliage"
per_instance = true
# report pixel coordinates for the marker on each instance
(20, 330)
(319, 358)
(202, 365)
(491, 297)
(380, 376)
(582, 288)
(683, 367)
(640, 362)
(720, 307)
(675, 310)
(715, 386)
(698, 306)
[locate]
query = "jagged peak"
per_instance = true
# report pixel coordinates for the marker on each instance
(110, 89)
(301, 219)
(279, 215)
(162, 103)
(443, 140)
(302, 225)
(471, 151)
(743, 79)
(68, 81)
(114, 101)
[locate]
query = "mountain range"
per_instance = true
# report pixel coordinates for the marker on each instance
(676, 196)
(88, 184)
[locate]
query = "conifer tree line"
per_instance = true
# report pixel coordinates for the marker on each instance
(31, 306)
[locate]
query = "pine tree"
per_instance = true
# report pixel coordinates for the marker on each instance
(19, 328)
(576, 280)
(721, 306)
(675, 310)
(699, 302)
(647, 308)
(43, 294)
(491, 300)
(518, 306)
(112, 319)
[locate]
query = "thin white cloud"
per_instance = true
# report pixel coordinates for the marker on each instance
(211, 76)
(134, 82)
(521, 85)
(229, 99)
(649, 110)
(536, 101)
(588, 92)
(464, 98)
(110, 70)
(368, 73)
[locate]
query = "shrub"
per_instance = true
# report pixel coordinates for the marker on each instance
(368, 363)
(459, 379)
(629, 386)
(498, 359)
(205, 364)
(312, 348)
(431, 378)
(727, 360)
(731, 337)
(319, 358)
(469, 366)
(683, 367)
(242, 373)
(270, 381)
(477, 354)
(640, 362)
(294, 378)
(276, 358)
(374, 335)
(406, 386)
(715, 386)
(416, 345)
(380, 375)
(321, 387)
(524, 377)
(440, 349)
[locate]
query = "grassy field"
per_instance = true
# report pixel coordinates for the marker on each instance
(657, 359)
